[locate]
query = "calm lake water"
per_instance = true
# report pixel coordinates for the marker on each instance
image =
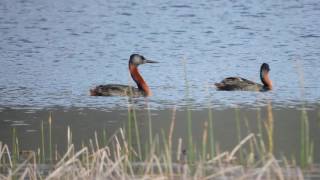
(53, 52)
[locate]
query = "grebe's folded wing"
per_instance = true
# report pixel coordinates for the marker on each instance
(115, 90)
(235, 83)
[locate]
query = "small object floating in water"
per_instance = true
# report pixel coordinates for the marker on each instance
(124, 90)
(242, 84)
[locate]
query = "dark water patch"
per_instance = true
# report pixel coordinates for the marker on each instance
(296, 6)
(186, 15)
(10, 22)
(208, 32)
(181, 6)
(310, 36)
(126, 14)
(30, 27)
(42, 20)
(234, 44)
(45, 28)
(241, 28)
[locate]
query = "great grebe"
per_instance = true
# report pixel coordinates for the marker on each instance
(241, 84)
(124, 90)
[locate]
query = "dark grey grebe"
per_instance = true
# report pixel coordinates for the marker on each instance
(241, 84)
(124, 90)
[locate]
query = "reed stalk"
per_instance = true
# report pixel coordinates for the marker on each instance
(137, 134)
(43, 156)
(204, 141)
(50, 136)
(129, 134)
(238, 126)
(210, 126)
(189, 115)
(269, 127)
(14, 147)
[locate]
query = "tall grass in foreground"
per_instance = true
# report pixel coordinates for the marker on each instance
(118, 159)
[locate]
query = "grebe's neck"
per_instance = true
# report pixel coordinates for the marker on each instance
(265, 79)
(142, 85)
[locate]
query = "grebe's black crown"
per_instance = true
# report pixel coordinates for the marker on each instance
(137, 59)
(265, 67)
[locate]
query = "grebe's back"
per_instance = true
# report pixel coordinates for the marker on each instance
(116, 90)
(238, 84)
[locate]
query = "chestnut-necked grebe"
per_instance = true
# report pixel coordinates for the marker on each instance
(124, 90)
(241, 84)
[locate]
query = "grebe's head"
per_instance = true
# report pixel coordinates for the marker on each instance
(136, 59)
(265, 67)
(264, 76)
(264, 70)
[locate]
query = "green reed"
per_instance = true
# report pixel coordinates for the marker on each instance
(149, 125)
(137, 135)
(270, 128)
(133, 124)
(306, 149)
(189, 115)
(210, 126)
(204, 141)
(318, 114)
(306, 144)
(43, 156)
(238, 127)
(50, 136)
(167, 153)
(251, 159)
(129, 127)
(15, 151)
(261, 143)
(104, 137)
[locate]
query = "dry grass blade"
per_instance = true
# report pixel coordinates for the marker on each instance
(124, 141)
(179, 149)
(29, 173)
(230, 157)
(173, 119)
(70, 149)
(223, 172)
(22, 165)
(265, 168)
(71, 160)
(278, 170)
(115, 165)
(158, 164)
(218, 157)
(5, 150)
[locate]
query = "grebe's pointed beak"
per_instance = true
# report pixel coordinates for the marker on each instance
(150, 61)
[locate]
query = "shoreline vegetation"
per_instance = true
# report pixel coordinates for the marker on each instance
(124, 156)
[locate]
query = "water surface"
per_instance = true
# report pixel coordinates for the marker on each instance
(53, 52)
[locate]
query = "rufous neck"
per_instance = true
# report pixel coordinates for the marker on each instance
(142, 85)
(266, 80)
